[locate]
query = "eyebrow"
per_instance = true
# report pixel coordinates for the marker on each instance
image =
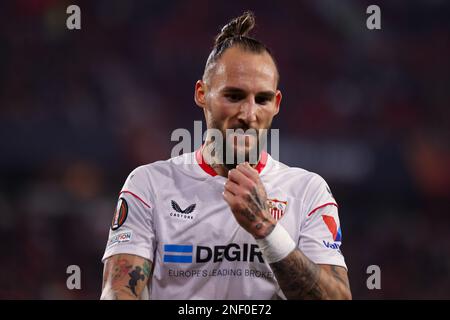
(266, 94)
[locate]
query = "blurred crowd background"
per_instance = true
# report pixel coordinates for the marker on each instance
(368, 110)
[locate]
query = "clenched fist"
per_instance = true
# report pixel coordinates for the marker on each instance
(247, 198)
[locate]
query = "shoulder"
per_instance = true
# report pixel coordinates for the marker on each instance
(143, 180)
(164, 167)
(301, 178)
(307, 186)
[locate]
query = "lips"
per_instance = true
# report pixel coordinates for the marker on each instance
(247, 133)
(243, 139)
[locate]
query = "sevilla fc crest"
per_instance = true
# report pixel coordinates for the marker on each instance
(277, 208)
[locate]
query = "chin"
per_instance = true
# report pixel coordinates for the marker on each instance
(242, 154)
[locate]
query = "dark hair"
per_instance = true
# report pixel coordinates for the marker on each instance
(235, 33)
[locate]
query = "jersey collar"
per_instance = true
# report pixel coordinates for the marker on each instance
(209, 170)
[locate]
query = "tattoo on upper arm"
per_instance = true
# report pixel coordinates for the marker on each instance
(138, 274)
(121, 269)
(147, 269)
(126, 274)
(135, 276)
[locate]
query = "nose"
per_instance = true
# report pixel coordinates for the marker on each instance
(247, 111)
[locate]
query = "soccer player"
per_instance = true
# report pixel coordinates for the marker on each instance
(196, 227)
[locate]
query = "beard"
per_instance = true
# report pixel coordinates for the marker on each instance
(240, 148)
(235, 147)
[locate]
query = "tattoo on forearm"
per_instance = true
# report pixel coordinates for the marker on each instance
(300, 278)
(338, 277)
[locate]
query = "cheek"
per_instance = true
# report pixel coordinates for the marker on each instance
(265, 116)
(221, 110)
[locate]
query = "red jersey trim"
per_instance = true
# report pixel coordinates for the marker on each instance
(202, 163)
(137, 197)
(324, 205)
(209, 170)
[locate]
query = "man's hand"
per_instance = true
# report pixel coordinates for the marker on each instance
(298, 276)
(247, 198)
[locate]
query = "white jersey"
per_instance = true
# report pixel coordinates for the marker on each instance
(173, 214)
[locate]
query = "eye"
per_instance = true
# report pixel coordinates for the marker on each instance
(234, 97)
(262, 100)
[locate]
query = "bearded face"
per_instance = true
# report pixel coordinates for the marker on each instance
(239, 102)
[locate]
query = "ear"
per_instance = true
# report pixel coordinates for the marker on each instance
(278, 97)
(200, 94)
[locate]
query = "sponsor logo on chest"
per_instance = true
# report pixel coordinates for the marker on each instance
(184, 214)
(174, 253)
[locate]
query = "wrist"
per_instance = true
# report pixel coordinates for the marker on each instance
(263, 229)
(277, 245)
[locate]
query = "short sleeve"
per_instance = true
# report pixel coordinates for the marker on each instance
(321, 235)
(131, 230)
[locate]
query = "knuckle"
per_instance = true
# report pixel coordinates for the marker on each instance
(241, 205)
(249, 186)
(247, 195)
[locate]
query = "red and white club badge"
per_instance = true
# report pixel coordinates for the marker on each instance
(120, 215)
(277, 208)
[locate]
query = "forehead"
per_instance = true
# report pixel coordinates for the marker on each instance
(246, 70)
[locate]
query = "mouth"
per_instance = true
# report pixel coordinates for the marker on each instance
(241, 139)
(240, 146)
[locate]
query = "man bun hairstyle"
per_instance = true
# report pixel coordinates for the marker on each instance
(238, 27)
(235, 33)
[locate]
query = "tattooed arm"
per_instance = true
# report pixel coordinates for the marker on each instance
(124, 277)
(298, 277)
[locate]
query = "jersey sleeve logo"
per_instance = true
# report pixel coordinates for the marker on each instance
(120, 215)
(332, 226)
(178, 209)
